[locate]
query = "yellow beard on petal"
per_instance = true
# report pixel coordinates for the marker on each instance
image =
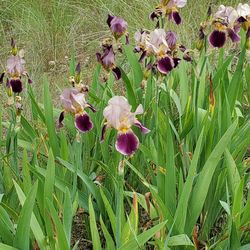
(219, 26)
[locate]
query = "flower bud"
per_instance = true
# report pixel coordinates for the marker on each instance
(248, 39)
(201, 41)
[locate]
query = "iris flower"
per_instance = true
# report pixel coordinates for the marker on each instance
(162, 45)
(244, 15)
(169, 8)
(118, 115)
(225, 25)
(74, 102)
(107, 60)
(15, 69)
(118, 26)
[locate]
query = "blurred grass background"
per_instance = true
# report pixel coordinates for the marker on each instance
(50, 30)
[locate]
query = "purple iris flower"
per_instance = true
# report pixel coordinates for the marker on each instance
(74, 102)
(118, 26)
(224, 26)
(15, 69)
(169, 8)
(107, 59)
(118, 115)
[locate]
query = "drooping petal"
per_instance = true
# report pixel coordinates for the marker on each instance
(153, 16)
(165, 65)
(176, 17)
(104, 129)
(16, 85)
(99, 57)
(217, 38)
(117, 73)
(60, 120)
(233, 35)
(176, 61)
(143, 129)
(110, 18)
(127, 143)
(88, 105)
(143, 55)
(1, 78)
(83, 123)
(127, 39)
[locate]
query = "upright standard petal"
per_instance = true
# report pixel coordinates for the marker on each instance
(171, 38)
(83, 123)
(127, 143)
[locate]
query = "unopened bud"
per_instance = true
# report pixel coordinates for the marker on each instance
(14, 48)
(201, 40)
(248, 39)
(9, 91)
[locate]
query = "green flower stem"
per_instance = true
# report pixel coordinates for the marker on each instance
(119, 202)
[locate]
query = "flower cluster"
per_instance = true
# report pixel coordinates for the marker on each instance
(110, 47)
(168, 9)
(163, 45)
(226, 23)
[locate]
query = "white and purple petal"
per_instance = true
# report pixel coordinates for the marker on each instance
(16, 85)
(83, 123)
(127, 143)
(165, 64)
(217, 38)
(143, 129)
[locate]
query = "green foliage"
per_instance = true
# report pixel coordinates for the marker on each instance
(190, 173)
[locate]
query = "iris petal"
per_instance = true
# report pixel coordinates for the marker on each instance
(165, 65)
(104, 129)
(1, 78)
(83, 123)
(60, 120)
(117, 73)
(16, 85)
(127, 143)
(143, 129)
(217, 38)
(91, 107)
(233, 35)
(110, 18)
(176, 17)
